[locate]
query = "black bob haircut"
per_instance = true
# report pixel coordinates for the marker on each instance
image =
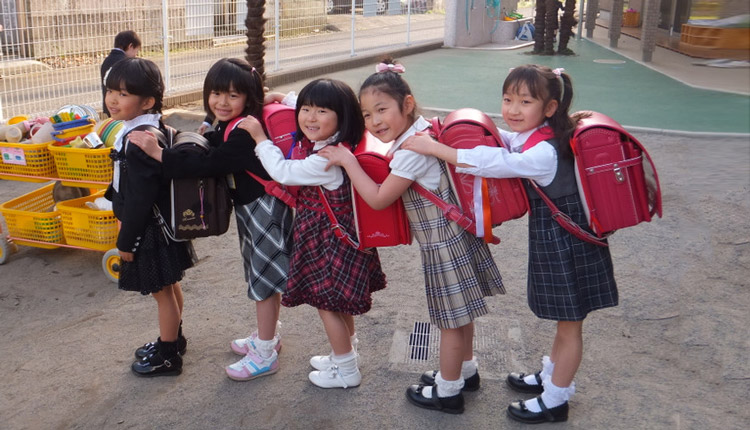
(234, 73)
(339, 97)
(139, 77)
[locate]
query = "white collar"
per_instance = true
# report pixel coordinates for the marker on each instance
(148, 118)
(420, 124)
(518, 140)
(320, 144)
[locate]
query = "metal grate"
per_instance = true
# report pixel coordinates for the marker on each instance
(419, 341)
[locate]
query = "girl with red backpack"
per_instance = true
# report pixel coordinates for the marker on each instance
(325, 272)
(568, 277)
(458, 268)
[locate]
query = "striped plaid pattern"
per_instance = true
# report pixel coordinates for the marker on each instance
(325, 272)
(265, 231)
(568, 278)
(458, 268)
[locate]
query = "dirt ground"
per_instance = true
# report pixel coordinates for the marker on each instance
(672, 355)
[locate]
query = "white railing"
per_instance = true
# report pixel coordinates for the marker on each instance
(51, 50)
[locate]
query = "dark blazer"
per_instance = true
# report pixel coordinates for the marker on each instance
(114, 56)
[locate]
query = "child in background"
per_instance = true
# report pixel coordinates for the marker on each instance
(127, 45)
(568, 278)
(151, 263)
(325, 272)
(459, 270)
(233, 89)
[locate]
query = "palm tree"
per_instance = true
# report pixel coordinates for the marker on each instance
(566, 27)
(256, 24)
(545, 24)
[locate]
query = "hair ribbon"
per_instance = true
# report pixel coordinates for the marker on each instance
(383, 67)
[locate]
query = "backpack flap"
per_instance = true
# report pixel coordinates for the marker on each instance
(617, 188)
(281, 126)
(489, 201)
(201, 207)
(378, 228)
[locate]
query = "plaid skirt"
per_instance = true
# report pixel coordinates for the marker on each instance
(264, 227)
(458, 268)
(157, 263)
(325, 272)
(568, 278)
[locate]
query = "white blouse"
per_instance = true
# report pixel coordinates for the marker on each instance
(424, 169)
(538, 163)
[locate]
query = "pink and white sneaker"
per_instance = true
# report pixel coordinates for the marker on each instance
(245, 345)
(253, 366)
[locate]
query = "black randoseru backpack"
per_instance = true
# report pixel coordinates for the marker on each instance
(199, 207)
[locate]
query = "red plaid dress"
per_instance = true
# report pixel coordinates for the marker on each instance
(325, 272)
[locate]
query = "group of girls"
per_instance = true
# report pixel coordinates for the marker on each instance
(301, 261)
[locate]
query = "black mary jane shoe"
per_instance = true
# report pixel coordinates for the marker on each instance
(450, 405)
(518, 411)
(516, 382)
(470, 384)
(157, 365)
(152, 347)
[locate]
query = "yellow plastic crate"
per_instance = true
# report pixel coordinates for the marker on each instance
(82, 164)
(88, 228)
(33, 216)
(32, 159)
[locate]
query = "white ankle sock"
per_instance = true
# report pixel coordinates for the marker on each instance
(265, 347)
(554, 396)
(347, 363)
(444, 388)
(355, 342)
(547, 368)
(469, 368)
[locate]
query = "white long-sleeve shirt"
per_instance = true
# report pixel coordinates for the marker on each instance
(308, 172)
(423, 169)
(538, 163)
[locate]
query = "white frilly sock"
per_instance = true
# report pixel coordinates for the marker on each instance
(547, 368)
(444, 388)
(469, 368)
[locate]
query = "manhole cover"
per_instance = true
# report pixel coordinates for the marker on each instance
(605, 61)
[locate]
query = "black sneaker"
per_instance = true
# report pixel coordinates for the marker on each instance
(151, 348)
(164, 362)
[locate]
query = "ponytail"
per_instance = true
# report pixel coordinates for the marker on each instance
(561, 122)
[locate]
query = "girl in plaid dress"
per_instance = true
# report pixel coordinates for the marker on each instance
(233, 89)
(458, 268)
(325, 272)
(568, 278)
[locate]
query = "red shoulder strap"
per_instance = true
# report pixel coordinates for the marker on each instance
(231, 126)
(540, 135)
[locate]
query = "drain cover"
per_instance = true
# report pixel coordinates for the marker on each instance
(604, 61)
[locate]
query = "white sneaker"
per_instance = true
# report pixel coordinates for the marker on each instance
(332, 378)
(323, 362)
(253, 366)
(245, 345)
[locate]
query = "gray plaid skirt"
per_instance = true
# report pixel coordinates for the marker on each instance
(568, 278)
(265, 231)
(458, 268)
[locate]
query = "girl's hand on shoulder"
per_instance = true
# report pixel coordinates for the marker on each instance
(272, 97)
(251, 125)
(126, 256)
(421, 143)
(147, 142)
(337, 155)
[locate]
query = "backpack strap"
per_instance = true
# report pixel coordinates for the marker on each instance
(338, 230)
(561, 218)
(271, 187)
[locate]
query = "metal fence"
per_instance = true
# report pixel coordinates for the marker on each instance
(51, 50)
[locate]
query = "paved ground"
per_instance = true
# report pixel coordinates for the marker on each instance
(672, 355)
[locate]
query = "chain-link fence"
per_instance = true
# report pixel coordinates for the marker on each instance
(51, 50)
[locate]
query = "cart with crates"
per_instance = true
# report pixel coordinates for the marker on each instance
(35, 219)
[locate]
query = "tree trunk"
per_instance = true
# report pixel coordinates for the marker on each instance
(539, 26)
(256, 24)
(566, 27)
(550, 26)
